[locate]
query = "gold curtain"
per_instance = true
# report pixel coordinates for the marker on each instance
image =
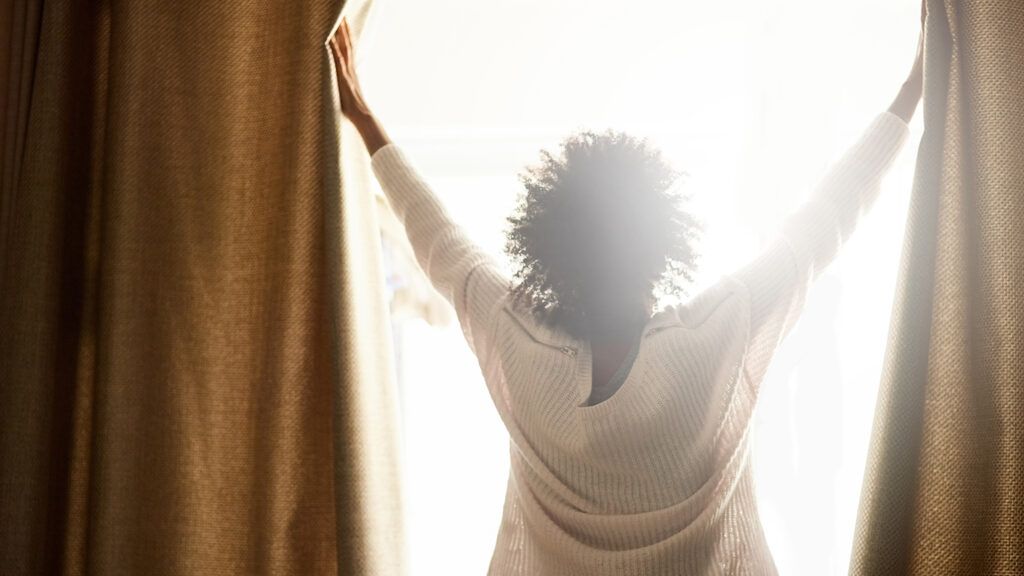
(195, 360)
(944, 487)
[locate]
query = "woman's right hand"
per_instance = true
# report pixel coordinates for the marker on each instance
(910, 92)
(917, 70)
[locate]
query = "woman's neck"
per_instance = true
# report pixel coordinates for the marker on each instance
(616, 328)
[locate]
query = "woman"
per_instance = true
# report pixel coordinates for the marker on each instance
(628, 427)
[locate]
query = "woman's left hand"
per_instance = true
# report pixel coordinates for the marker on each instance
(353, 105)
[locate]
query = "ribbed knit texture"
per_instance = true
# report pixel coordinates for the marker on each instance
(655, 480)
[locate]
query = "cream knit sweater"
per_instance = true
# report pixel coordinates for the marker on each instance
(656, 479)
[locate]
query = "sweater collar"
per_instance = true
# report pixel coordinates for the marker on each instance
(556, 336)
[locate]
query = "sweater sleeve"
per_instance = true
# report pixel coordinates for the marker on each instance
(777, 280)
(468, 277)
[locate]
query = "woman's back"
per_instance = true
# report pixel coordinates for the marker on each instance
(647, 478)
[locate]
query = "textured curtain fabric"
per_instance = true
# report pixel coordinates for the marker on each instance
(195, 364)
(944, 488)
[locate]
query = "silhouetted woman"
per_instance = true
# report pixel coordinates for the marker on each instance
(629, 427)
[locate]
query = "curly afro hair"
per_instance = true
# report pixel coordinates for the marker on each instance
(600, 233)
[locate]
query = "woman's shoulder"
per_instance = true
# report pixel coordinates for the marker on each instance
(719, 304)
(517, 319)
(720, 300)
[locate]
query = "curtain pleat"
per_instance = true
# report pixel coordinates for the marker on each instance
(195, 364)
(944, 486)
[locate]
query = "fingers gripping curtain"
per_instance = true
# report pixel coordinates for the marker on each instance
(195, 371)
(944, 488)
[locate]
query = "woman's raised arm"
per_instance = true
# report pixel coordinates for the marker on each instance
(776, 281)
(468, 277)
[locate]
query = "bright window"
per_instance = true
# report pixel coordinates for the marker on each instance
(753, 99)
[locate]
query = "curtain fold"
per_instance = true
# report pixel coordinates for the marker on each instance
(195, 363)
(944, 485)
